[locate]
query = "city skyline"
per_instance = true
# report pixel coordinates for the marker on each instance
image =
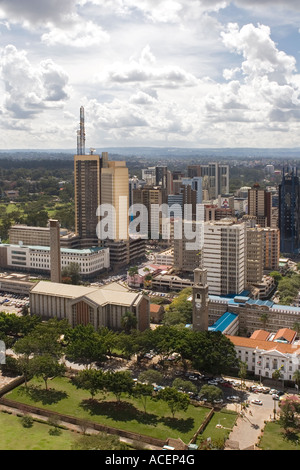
(167, 73)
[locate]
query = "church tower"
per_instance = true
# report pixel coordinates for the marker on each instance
(200, 300)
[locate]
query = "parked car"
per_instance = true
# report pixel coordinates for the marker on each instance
(256, 402)
(275, 396)
(233, 398)
(218, 401)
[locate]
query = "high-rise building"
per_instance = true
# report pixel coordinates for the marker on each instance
(271, 248)
(224, 256)
(254, 256)
(115, 192)
(87, 179)
(260, 205)
(289, 213)
(102, 183)
(215, 178)
(188, 239)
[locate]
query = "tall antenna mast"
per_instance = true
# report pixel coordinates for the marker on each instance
(81, 134)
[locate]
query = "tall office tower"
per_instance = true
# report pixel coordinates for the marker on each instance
(149, 175)
(215, 178)
(150, 197)
(87, 182)
(200, 300)
(163, 181)
(271, 248)
(133, 183)
(254, 256)
(260, 205)
(55, 254)
(196, 185)
(87, 179)
(115, 192)
(289, 213)
(224, 256)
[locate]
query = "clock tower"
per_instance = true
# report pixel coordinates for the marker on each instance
(200, 300)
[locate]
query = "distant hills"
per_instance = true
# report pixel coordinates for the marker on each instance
(160, 152)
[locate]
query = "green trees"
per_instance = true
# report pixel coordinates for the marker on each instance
(289, 412)
(180, 310)
(95, 381)
(288, 288)
(211, 393)
(175, 400)
(128, 321)
(46, 366)
(39, 352)
(71, 274)
(84, 345)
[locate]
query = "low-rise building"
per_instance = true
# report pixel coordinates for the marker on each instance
(99, 306)
(36, 259)
(264, 357)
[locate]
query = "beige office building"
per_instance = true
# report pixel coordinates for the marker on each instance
(254, 255)
(115, 192)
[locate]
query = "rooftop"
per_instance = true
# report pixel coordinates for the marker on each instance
(223, 322)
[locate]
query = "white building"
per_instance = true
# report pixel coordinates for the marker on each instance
(264, 357)
(224, 256)
(37, 259)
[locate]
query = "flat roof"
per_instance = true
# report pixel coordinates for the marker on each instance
(95, 249)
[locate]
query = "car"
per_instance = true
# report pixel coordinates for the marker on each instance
(273, 391)
(233, 398)
(256, 402)
(218, 401)
(275, 396)
(192, 377)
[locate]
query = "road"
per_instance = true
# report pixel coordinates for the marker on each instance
(249, 426)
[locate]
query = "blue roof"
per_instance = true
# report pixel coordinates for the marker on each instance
(223, 322)
(286, 307)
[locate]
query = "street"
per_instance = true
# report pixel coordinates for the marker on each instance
(250, 424)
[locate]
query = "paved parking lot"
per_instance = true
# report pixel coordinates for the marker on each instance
(12, 303)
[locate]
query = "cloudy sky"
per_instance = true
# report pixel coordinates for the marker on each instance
(182, 73)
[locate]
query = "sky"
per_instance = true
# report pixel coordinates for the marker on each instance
(153, 73)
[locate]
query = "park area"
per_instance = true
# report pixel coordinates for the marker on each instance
(129, 414)
(13, 435)
(275, 438)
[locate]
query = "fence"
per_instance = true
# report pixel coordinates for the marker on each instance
(82, 423)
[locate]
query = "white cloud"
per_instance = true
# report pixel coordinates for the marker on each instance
(78, 35)
(34, 13)
(144, 70)
(260, 52)
(30, 89)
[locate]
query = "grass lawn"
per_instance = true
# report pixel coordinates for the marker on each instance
(13, 436)
(128, 415)
(223, 418)
(274, 438)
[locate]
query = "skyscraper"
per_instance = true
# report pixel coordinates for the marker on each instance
(289, 213)
(224, 256)
(260, 205)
